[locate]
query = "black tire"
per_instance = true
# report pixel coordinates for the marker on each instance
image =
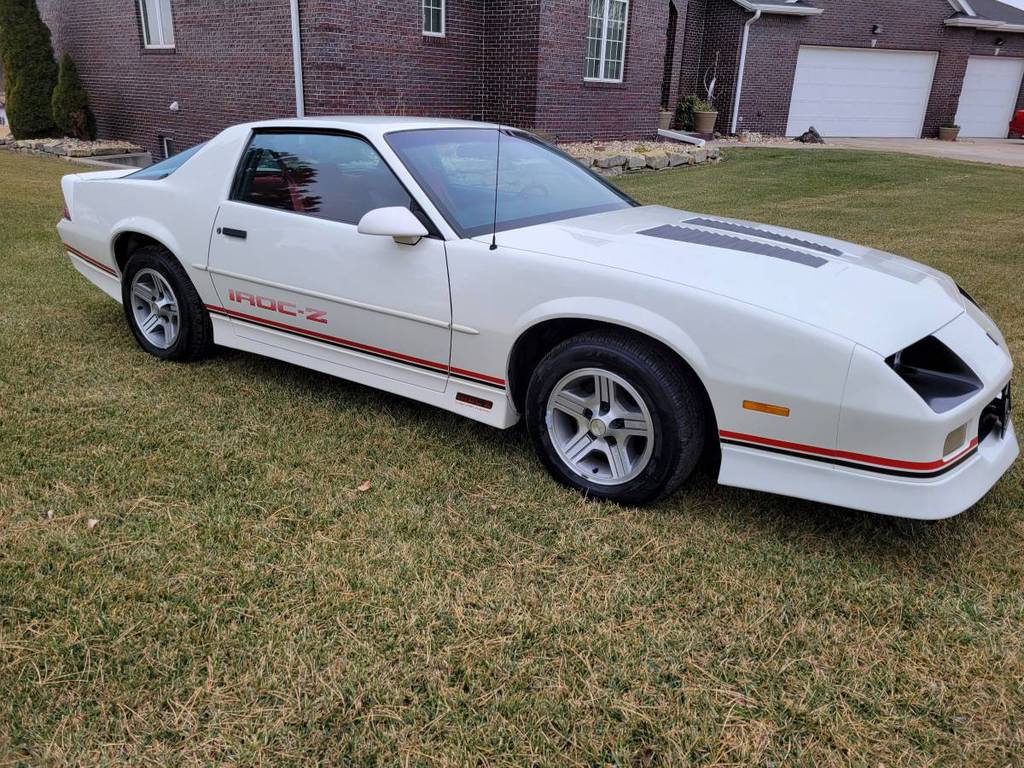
(672, 394)
(195, 331)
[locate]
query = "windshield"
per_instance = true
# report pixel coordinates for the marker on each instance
(536, 183)
(165, 168)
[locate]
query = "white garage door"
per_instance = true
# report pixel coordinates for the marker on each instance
(989, 96)
(861, 92)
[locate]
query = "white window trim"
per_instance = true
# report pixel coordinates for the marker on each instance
(159, 28)
(444, 14)
(604, 42)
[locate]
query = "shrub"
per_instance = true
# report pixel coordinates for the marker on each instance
(687, 106)
(29, 68)
(71, 113)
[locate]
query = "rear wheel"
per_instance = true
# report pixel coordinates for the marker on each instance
(162, 307)
(615, 417)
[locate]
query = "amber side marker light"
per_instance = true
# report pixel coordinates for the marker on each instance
(774, 410)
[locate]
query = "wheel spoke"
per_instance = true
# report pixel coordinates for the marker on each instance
(619, 464)
(603, 389)
(632, 426)
(144, 292)
(572, 404)
(580, 446)
(150, 323)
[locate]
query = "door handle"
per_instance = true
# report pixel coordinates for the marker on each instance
(241, 234)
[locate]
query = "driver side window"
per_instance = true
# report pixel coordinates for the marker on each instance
(329, 176)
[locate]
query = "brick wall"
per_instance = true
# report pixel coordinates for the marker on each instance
(370, 57)
(218, 78)
(570, 108)
(509, 59)
(714, 30)
(517, 62)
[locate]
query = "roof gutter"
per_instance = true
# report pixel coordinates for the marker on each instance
(741, 70)
(783, 8)
(300, 99)
(986, 24)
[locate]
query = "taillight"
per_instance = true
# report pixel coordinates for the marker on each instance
(66, 214)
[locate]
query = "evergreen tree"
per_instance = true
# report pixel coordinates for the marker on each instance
(71, 113)
(30, 70)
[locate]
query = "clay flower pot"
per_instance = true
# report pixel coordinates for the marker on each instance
(949, 132)
(704, 122)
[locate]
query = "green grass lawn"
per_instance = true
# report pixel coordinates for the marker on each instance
(240, 600)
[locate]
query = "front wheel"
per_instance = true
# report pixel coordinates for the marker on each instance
(615, 417)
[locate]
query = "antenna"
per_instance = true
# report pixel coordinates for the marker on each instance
(497, 166)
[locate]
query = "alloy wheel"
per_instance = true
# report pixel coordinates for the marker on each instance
(600, 426)
(155, 308)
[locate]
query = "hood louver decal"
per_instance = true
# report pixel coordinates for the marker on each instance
(728, 242)
(728, 226)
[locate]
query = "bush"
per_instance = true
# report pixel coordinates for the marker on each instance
(71, 113)
(29, 68)
(687, 106)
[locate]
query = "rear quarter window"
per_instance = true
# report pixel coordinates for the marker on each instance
(165, 168)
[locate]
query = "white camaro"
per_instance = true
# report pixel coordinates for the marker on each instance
(632, 339)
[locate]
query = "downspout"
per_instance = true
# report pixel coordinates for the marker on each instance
(742, 69)
(300, 100)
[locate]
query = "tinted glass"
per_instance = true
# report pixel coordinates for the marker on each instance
(323, 175)
(536, 183)
(166, 167)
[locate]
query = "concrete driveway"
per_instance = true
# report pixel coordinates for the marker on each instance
(994, 151)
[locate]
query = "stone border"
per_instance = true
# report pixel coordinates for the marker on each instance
(659, 159)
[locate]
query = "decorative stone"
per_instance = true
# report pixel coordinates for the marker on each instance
(676, 158)
(611, 161)
(635, 162)
(700, 156)
(657, 162)
(714, 153)
(611, 172)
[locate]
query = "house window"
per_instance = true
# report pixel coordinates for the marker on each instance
(433, 18)
(157, 25)
(606, 40)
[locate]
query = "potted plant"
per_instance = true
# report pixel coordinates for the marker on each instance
(949, 132)
(704, 113)
(665, 119)
(704, 116)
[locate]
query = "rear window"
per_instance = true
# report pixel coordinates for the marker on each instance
(165, 168)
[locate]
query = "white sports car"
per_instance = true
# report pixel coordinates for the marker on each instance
(480, 270)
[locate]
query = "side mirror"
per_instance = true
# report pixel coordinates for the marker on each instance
(397, 222)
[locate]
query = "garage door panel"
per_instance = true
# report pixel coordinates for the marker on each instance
(861, 92)
(989, 96)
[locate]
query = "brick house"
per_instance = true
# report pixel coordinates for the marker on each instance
(170, 73)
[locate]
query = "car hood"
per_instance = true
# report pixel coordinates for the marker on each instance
(881, 301)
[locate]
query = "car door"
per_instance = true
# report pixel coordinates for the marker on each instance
(291, 270)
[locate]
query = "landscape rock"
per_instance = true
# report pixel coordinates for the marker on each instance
(810, 136)
(635, 162)
(700, 156)
(677, 158)
(657, 162)
(610, 161)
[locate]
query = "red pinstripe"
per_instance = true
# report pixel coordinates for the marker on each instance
(863, 458)
(90, 260)
(357, 345)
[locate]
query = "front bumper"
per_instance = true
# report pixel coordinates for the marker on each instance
(918, 498)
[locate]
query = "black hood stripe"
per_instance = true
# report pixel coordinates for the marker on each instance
(715, 240)
(741, 229)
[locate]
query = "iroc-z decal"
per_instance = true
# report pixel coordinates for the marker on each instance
(277, 305)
